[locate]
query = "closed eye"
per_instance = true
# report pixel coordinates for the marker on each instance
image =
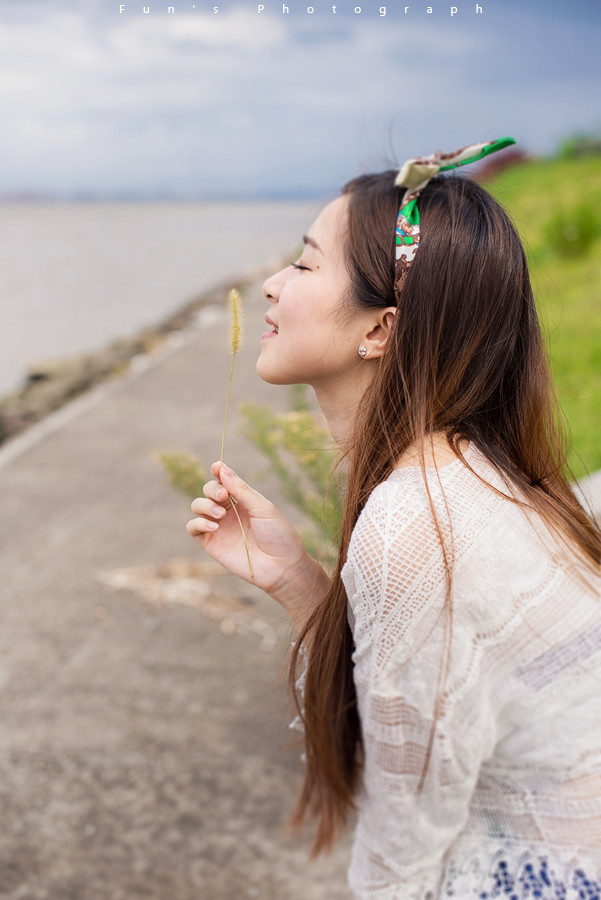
(298, 266)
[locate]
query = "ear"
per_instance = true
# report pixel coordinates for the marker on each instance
(376, 339)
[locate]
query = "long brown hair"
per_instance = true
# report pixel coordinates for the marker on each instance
(466, 357)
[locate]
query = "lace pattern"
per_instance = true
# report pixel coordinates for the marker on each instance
(515, 756)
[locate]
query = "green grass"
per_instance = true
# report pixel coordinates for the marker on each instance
(545, 197)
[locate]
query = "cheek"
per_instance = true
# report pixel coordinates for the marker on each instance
(297, 324)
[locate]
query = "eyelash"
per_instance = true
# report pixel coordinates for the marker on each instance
(298, 266)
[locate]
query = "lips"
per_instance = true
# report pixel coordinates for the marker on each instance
(272, 324)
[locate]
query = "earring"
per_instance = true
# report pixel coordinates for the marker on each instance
(362, 351)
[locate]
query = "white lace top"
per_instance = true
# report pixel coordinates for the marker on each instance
(511, 803)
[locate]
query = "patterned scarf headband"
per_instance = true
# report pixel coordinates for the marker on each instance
(414, 175)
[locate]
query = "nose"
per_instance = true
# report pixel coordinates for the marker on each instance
(271, 288)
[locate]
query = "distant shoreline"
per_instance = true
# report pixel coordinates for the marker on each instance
(33, 198)
(50, 385)
(79, 276)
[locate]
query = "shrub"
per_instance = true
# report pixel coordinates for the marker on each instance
(572, 230)
(184, 471)
(301, 455)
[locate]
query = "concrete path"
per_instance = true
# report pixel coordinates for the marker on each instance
(144, 748)
(144, 741)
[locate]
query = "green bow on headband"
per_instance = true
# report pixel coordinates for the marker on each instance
(414, 175)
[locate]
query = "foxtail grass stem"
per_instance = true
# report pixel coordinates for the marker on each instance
(236, 333)
(227, 406)
(250, 568)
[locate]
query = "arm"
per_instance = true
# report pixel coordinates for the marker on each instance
(401, 628)
(281, 565)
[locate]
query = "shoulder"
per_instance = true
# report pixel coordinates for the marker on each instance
(396, 572)
(468, 504)
(461, 493)
(399, 526)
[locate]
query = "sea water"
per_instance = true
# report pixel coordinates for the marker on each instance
(74, 276)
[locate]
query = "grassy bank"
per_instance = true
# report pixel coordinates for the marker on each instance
(556, 204)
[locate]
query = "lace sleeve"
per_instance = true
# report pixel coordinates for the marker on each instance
(395, 578)
(297, 723)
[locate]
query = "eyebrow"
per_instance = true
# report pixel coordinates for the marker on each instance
(307, 239)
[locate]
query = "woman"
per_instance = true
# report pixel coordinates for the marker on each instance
(452, 689)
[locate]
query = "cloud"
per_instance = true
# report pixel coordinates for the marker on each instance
(238, 101)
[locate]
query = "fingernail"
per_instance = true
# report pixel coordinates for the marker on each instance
(212, 526)
(221, 495)
(218, 510)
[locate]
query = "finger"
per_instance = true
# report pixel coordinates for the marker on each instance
(215, 470)
(198, 527)
(215, 491)
(206, 507)
(254, 502)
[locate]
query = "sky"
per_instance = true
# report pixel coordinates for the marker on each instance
(248, 104)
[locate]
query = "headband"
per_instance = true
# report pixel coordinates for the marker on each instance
(414, 175)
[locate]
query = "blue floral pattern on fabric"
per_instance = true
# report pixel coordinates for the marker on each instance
(512, 872)
(535, 879)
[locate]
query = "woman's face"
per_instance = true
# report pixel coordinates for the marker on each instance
(314, 342)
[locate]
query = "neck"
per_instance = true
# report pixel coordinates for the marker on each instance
(338, 400)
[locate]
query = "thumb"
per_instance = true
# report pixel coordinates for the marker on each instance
(254, 502)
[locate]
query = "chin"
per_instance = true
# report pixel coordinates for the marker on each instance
(271, 375)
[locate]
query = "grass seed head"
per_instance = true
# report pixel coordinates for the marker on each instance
(236, 320)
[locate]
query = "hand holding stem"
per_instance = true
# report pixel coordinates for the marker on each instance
(282, 566)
